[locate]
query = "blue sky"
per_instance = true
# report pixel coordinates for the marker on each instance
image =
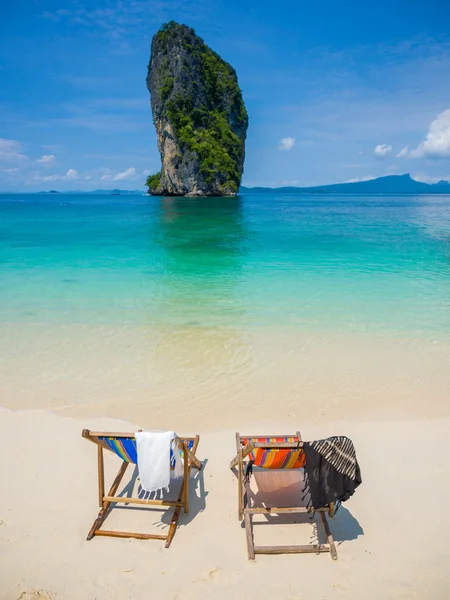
(335, 90)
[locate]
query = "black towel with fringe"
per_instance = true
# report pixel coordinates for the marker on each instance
(332, 472)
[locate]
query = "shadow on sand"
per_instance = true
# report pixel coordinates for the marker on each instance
(264, 491)
(197, 498)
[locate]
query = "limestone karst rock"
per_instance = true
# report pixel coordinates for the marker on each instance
(199, 115)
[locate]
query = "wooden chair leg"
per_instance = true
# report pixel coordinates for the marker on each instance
(105, 505)
(184, 491)
(330, 539)
(186, 478)
(101, 475)
(249, 536)
(240, 486)
(173, 526)
(248, 523)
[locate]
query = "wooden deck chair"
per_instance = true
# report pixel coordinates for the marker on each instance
(279, 452)
(124, 446)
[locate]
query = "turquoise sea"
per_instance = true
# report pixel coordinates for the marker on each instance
(360, 264)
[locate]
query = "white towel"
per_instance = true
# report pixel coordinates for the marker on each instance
(153, 459)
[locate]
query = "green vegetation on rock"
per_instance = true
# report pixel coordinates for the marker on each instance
(208, 134)
(153, 182)
(197, 93)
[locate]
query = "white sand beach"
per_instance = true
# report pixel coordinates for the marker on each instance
(392, 535)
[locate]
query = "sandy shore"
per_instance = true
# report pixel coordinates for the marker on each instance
(392, 535)
(390, 395)
(217, 379)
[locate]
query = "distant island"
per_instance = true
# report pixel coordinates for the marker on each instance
(391, 184)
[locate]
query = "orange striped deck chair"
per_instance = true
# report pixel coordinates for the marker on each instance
(123, 445)
(275, 454)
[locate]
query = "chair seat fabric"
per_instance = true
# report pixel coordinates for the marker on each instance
(277, 458)
(125, 448)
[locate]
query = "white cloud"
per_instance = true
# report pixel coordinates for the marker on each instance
(71, 175)
(108, 175)
(48, 178)
(46, 159)
(10, 171)
(382, 150)
(128, 174)
(286, 143)
(10, 151)
(437, 142)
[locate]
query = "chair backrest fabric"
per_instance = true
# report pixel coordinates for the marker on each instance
(125, 448)
(275, 458)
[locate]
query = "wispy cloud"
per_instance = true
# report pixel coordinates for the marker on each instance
(128, 174)
(71, 175)
(92, 179)
(429, 179)
(378, 94)
(10, 151)
(404, 153)
(286, 144)
(123, 22)
(356, 179)
(46, 159)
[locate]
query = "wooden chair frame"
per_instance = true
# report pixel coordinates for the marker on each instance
(245, 511)
(105, 501)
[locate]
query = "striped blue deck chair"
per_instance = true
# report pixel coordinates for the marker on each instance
(123, 445)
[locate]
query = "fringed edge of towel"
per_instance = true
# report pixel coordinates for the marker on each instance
(146, 495)
(248, 471)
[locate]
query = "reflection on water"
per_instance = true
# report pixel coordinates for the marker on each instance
(202, 243)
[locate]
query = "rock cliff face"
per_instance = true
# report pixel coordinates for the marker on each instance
(199, 115)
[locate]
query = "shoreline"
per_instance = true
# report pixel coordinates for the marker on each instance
(208, 378)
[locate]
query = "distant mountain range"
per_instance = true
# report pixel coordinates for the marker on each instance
(391, 184)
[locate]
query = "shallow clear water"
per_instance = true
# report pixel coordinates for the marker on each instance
(375, 264)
